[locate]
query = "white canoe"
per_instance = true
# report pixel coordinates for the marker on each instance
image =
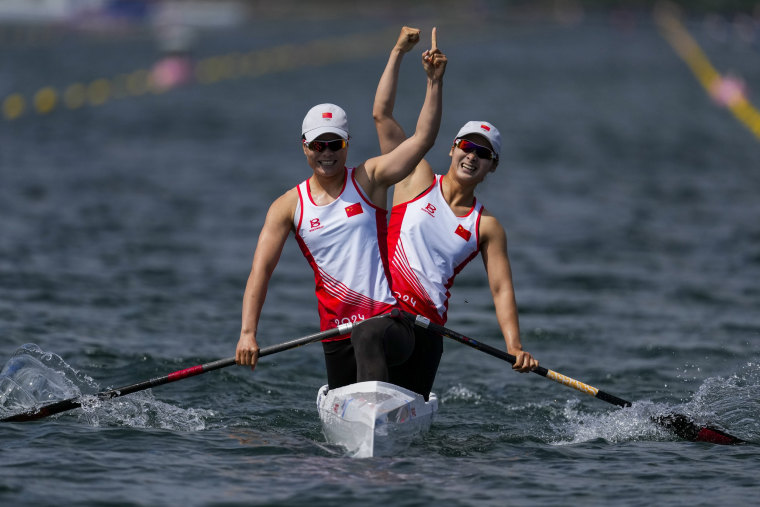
(374, 418)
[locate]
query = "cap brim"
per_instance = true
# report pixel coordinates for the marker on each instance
(315, 133)
(466, 132)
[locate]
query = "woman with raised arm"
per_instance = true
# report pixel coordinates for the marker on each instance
(437, 225)
(338, 217)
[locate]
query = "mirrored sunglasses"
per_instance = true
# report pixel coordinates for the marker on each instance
(332, 145)
(481, 151)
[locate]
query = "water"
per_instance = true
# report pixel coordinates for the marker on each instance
(630, 201)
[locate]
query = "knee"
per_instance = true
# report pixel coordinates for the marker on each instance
(367, 339)
(399, 344)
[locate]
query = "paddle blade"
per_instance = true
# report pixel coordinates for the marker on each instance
(45, 411)
(686, 429)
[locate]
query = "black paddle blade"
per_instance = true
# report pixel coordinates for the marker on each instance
(686, 429)
(45, 411)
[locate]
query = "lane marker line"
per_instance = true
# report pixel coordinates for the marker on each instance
(205, 71)
(726, 90)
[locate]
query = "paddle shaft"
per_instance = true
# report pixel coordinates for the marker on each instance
(677, 423)
(72, 403)
(540, 370)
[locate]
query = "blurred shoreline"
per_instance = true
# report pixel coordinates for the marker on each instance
(92, 14)
(24, 23)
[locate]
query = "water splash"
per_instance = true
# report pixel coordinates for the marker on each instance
(32, 378)
(461, 393)
(731, 403)
(142, 410)
(617, 425)
(726, 403)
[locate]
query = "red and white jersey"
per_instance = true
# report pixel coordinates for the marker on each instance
(345, 244)
(428, 245)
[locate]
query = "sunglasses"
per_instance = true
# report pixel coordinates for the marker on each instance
(332, 145)
(481, 151)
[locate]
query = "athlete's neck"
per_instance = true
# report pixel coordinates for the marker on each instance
(325, 189)
(459, 197)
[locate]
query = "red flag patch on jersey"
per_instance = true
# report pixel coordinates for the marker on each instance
(354, 209)
(326, 115)
(464, 233)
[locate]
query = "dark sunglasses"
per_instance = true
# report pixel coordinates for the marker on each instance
(481, 151)
(332, 145)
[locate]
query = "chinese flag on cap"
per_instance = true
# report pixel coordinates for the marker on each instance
(464, 233)
(326, 115)
(485, 127)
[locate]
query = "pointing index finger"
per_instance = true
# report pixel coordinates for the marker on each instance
(434, 43)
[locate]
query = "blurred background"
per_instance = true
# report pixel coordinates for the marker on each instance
(159, 45)
(142, 141)
(141, 144)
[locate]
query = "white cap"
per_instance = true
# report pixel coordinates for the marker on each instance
(484, 129)
(322, 119)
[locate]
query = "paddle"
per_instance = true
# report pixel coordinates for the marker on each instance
(677, 423)
(72, 403)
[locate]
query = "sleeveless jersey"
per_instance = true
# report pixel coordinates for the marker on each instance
(428, 245)
(345, 244)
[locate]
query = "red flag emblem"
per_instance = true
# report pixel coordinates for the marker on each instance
(326, 115)
(486, 128)
(464, 233)
(354, 209)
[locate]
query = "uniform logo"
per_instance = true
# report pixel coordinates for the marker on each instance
(463, 233)
(314, 224)
(354, 209)
(429, 209)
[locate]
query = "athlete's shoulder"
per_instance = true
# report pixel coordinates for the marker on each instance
(290, 195)
(284, 206)
(490, 227)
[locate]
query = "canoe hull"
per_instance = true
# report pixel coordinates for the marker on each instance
(374, 418)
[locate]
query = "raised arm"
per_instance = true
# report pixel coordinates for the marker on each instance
(277, 226)
(493, 245)
(389, 132)
(379, 173)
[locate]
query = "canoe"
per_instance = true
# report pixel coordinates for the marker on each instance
(374, 418)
